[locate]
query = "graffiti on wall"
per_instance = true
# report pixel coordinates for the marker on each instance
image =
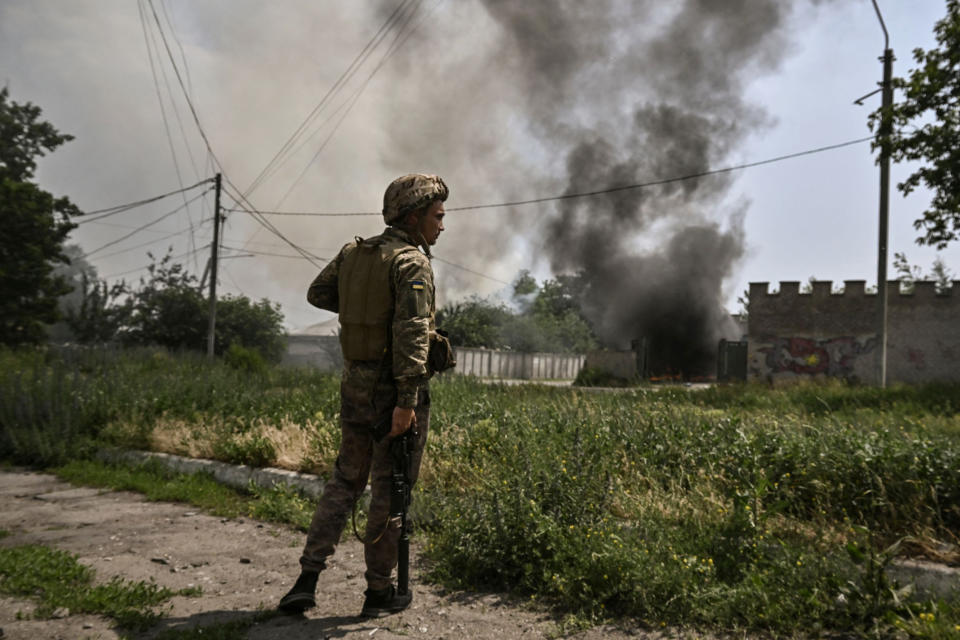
(917, 359)
(809, 356)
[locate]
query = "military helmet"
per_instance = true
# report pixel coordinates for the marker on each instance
(411, 192)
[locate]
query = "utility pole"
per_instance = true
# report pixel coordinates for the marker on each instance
(212, 326)
(885, 131)
(885, 127)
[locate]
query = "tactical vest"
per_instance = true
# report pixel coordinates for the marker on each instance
(366, 296)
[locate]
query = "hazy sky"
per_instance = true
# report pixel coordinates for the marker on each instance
(459, 99)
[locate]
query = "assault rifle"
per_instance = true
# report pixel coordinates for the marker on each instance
(400, 450)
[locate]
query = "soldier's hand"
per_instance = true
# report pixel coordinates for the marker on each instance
(403, 420)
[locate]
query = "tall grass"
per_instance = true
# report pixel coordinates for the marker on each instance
(54, 402)
(733, 507)
(684, 507)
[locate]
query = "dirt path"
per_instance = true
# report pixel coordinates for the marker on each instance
(242, 565)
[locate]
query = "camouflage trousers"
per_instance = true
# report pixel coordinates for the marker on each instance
(361, 457)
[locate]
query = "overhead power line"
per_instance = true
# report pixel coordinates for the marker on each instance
(146, 244)
(248, 208)
(279, 157)
(586, 194)
(476, 273)
(186, 94)
(308, 213)
(399, 39)
(147, 266)
(395, 18)
(238, 196)
(120, 208)
(151, 45)
(654, 183)
(271, 254)
(149, 224)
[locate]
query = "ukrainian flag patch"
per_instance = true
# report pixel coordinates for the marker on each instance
(417, 285)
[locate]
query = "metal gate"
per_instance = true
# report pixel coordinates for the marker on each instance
(732, 361)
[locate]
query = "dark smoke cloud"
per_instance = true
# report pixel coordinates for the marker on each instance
(631, 93)
(505, 99)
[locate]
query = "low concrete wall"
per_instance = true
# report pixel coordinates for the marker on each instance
(232, 475)
(488, 363)
(322, 352)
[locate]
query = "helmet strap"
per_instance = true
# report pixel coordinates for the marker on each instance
(414, 231)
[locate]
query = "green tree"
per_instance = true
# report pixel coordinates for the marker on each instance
(90, 313)
(254, 325)
(475, 322)
(96, 317)
(941, 274)
(35, 226)
(168, 309)
(925, 126)
(551, 321)
(525, 284)
(908, 274)
(558, 310)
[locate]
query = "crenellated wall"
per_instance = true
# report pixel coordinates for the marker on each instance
(822, 333)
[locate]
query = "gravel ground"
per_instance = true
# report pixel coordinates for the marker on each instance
(243, 566)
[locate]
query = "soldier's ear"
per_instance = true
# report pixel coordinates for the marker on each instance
(412, 219)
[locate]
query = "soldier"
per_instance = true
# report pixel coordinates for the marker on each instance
(383, 290)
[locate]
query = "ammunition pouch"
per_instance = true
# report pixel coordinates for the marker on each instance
(441, 356)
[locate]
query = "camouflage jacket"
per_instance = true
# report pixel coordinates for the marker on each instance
(413, 319)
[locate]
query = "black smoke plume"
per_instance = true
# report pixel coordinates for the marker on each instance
(635, 92)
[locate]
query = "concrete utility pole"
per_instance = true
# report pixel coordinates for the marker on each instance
(885, 130)
(212, 326)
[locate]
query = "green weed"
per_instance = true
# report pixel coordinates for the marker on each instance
(281, 504)
(157, 482)
(243, 359)
(734, 507)
(683, 507)
(59, 581)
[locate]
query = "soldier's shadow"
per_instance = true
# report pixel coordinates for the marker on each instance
(261, 624)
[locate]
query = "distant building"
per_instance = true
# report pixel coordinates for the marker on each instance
(317, 346)
(828, 334)
(662, 362)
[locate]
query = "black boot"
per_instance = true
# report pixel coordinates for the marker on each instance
(301, 597)
(383, 602)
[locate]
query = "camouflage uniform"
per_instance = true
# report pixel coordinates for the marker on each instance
(369, 392)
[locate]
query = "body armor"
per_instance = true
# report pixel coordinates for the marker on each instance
(367, 297)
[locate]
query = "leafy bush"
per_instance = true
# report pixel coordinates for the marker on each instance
(243, 359)
(590, 377)
(252, 325)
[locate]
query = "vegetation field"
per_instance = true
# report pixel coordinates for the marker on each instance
(728, 509)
